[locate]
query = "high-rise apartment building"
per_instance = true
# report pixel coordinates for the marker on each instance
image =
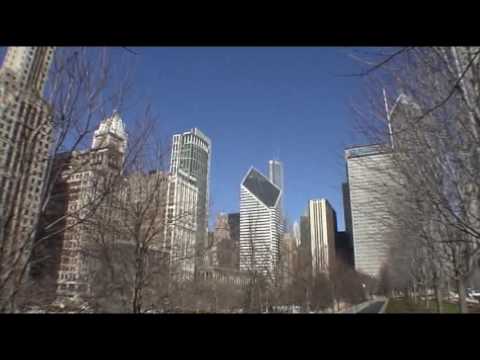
(320, 242)
(25, 141)
(370, 189)
(191, 154)
(26, 68)
(259, 223)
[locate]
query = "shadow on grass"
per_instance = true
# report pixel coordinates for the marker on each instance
(405, 306)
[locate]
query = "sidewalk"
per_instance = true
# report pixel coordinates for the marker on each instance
(355, 309)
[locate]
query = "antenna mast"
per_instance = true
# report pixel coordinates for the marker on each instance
(390, 133)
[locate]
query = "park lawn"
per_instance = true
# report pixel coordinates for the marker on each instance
(402, 306)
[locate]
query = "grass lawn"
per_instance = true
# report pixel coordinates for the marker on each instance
(402, 306)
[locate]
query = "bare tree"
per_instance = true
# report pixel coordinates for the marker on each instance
(83, 86)
(433, 128)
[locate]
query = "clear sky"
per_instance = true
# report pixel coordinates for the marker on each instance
(256, 104)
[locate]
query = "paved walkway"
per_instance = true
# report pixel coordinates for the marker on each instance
(372, 308)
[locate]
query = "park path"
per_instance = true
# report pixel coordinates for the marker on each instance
(373, 308)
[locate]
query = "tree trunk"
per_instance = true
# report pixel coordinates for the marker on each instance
(439, 298)
(461, 296)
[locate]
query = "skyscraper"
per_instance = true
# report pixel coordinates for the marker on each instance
(320, 246)
(77, 191)
(259, 223)
(275, 175)
(26, 68)
(191, 153)
(25, 141)
(370, 189)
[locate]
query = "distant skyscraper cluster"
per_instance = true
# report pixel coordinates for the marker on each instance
(24, 162)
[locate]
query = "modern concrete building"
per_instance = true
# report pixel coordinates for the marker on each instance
(25, 142)
(259, 223)
(370, 189)
(191, 154)
(320, 243)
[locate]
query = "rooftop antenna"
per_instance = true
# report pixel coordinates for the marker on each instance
(390, 133)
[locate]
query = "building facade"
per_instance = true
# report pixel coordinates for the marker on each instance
(191, 154)
(347, 211)
(83, 180)
(259, 223)
(370, 185)
(181, 228)
(226, 238)
(320, 244)
(288, 256)
(25, 143)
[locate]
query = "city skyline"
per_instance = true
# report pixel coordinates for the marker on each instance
(255, 96)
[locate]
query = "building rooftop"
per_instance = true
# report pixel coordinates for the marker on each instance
(261, 187)
(364, 150)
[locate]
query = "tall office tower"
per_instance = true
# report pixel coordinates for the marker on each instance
(181, 223)
(370, 185)
(226, 238)
(191, 153)
(259, 223)
(320, 244)
(25, 141)
(78, 193)
(275, 175)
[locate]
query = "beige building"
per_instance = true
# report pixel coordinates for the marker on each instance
(84, 180)
(320, 244)
(25, 141)
(181, 223)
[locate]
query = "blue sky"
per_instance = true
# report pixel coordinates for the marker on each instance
(256, 104)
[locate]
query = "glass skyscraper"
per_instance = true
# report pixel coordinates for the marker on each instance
(191, 153)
